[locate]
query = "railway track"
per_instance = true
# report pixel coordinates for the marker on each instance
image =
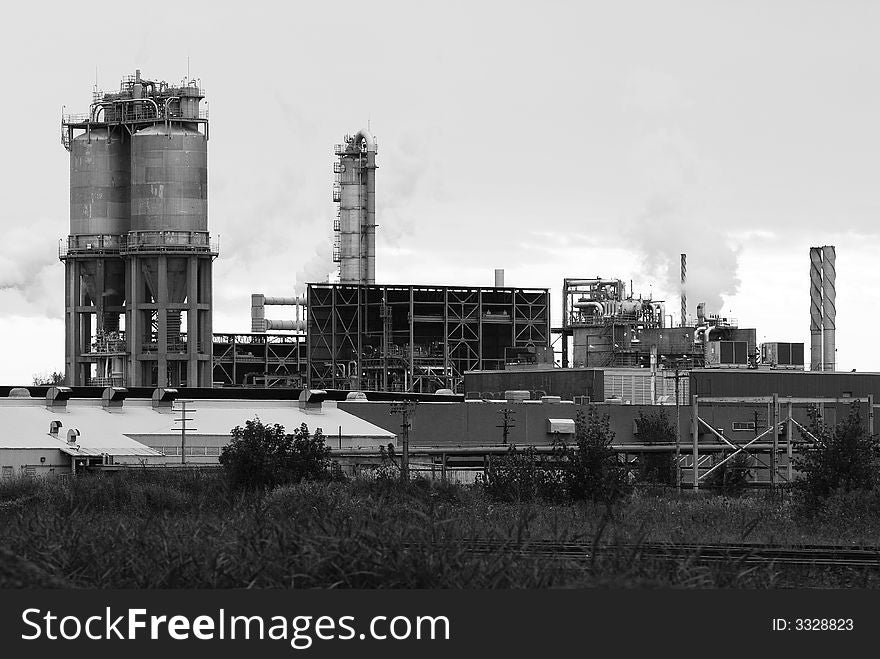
(783, 555)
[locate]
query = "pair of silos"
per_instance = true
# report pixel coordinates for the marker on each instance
(823, 308)
(138, 216)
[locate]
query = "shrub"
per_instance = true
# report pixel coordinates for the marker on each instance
(590, 468)
(732, 477)
(521, 475)
(656, 428)
(843, 459)
(262, 456)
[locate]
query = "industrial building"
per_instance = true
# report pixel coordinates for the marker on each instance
(139, 255)
(60, 430)
(610, 328)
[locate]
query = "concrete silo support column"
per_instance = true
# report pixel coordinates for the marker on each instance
(193, 335)
(162, 308)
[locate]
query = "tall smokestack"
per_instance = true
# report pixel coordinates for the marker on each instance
(684, 301)
(815, 308)
(829, 310)
(499, 277)
(823, 310)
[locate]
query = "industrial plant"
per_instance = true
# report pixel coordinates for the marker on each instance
(138, 320)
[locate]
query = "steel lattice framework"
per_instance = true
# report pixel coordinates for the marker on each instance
(417, 338)
(259, 360)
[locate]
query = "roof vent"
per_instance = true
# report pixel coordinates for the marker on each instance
(19, 392)
(72, 434)
(54, 427)
(312, 399)
(57, 397)
(445, 392)
(113, 397)
(356, 395)
(164, 398)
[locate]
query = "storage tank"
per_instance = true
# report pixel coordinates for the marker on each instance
(169, 174)
(100, 169)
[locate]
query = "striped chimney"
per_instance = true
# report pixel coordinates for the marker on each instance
(684, 304)
(829, 309)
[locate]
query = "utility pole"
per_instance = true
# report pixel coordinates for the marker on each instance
(182, 420)
(506, 422)
(678, 375)
(406, 409)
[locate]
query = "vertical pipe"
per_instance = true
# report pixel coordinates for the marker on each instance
(683, 290)
(499, 278)
(370, 227)
(829, 311)
(695, 429)
(206, 320)
(412, 341)
(774, 465)
(788, 439)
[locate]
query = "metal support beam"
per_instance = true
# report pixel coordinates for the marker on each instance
(695, 428)
(774, 458)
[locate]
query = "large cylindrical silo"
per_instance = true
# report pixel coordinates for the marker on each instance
(169, 201)
(100, 169)
(169, 179)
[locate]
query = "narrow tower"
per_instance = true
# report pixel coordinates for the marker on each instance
(823, 310)
(355, 192)
(138, 258)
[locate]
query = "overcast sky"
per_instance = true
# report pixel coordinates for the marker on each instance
(552, 139)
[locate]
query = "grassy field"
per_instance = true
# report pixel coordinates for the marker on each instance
(173, 529)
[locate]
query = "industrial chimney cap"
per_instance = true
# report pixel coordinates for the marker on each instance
(368, 138)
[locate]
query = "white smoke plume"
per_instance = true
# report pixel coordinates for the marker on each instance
(317, 268)
(663, 232)
(673, 222)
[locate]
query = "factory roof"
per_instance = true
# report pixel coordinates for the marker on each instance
(114, 430)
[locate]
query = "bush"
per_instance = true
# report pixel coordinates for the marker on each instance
(732, 477)
(656, 428)
(521, 475)
(591, 469)
(843, 459)
(263, 456)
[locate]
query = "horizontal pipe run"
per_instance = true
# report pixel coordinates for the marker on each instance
(501, 449)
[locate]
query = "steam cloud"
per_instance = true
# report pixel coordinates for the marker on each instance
(664, 231)
(317, 268)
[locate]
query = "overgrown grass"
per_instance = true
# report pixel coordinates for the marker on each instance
(169, 529)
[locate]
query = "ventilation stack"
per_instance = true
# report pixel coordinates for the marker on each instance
(823, 311)
(355, 226)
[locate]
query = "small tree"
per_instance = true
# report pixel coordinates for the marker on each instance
(591, 469)
(43, 379)
(656, 428)
(263, 456)
(843, 459)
